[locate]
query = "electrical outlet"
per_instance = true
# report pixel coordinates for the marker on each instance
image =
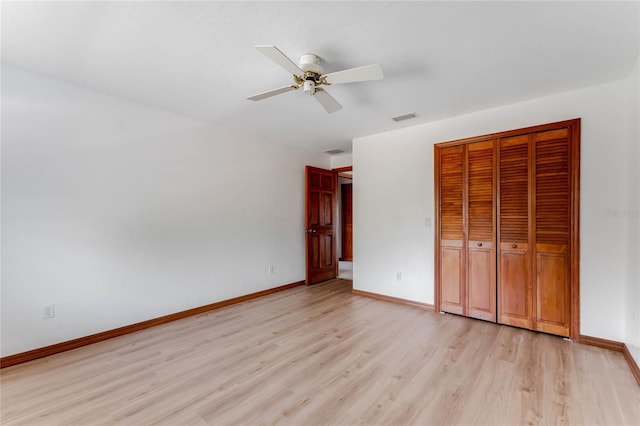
(48, 311)
(271, 269)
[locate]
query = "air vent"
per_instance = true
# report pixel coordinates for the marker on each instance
(405, 117)
(334, 151)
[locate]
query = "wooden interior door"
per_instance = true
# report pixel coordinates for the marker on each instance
(515, 302)
(450, 172)
(347, 221)
(552, 231)
(321, 195)
(481, 251)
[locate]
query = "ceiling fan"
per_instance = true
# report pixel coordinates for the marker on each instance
(309, 75)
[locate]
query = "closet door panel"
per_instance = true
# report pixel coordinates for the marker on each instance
(481, 183)
(553, 295)
(482, 281)
(481, 265)
(552, 187)
(515, 292)
(451, 280)
(452, 256)
(552, 230)
(515, 296)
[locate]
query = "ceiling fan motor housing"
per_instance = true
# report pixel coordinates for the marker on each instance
(310, 63)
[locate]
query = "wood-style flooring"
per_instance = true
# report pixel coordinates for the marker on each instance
(322, 356)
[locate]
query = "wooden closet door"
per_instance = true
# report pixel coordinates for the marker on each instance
(515, 298)
(552, 231)
(452, 254)
(481, 265)
(508, 227)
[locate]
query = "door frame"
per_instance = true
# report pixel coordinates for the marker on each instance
(574, 243)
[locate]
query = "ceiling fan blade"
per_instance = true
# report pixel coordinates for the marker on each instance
(279, 58)
(327, 101)
(366, 73)
(271, 93)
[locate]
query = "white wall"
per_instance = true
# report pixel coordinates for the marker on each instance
(118, 213)
(633, 282)
(341, 160)
(393, 197)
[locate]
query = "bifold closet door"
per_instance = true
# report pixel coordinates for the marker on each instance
(467, 230)
(480, 215)
(534, 289)
(452, 253)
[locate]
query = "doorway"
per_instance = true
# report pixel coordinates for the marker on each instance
(345, 224)
(324, 225)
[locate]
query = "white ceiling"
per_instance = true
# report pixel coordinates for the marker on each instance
(440, 59)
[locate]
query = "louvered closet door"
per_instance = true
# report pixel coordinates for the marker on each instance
(508, 227)
(515, 303)
(552, 231)
(481, 277)
(452, 256)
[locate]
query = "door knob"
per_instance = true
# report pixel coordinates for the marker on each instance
(479, 244)
(514, 246)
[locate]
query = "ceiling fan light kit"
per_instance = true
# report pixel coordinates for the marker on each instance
(309, 75)
(309, 86)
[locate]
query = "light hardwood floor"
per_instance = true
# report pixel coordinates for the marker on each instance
(320, 355)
